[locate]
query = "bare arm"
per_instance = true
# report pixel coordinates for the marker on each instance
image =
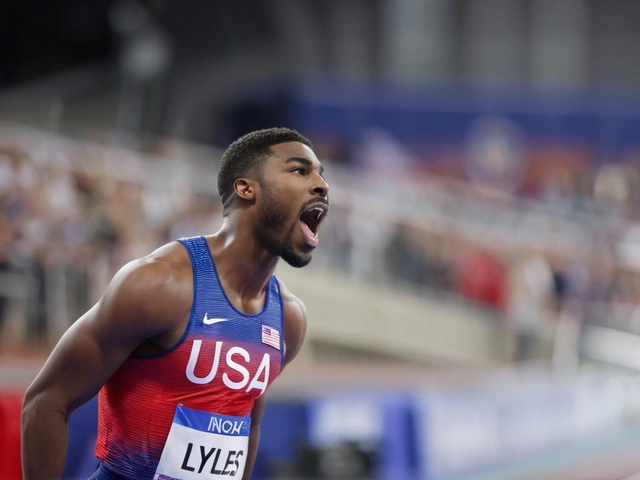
(295, 327)
(86, 356)
(254, 436)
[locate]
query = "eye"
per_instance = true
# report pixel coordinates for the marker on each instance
(300, 171)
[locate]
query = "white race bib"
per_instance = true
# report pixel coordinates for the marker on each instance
(204, 445)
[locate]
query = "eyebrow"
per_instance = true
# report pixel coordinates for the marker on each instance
(304, 161)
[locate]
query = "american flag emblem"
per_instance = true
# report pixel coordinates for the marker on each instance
(271, 337)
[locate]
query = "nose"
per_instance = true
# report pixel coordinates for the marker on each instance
(320, 187)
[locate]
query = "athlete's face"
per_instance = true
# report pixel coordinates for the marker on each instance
(293, 203)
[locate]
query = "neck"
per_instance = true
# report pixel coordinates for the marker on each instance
(243, 264)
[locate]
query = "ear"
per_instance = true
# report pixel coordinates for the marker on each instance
(245, 189)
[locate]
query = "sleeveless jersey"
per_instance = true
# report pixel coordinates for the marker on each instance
(223, 362)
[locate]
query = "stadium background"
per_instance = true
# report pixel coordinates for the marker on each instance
(474, 302)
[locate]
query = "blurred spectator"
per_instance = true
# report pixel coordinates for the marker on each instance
(403, 259)
(482, 278)
(530, 306)
(420, 258)
(369, 236)
(202, 214)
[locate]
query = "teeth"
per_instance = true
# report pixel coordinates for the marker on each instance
(320, 212)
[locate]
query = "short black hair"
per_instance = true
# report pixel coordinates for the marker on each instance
(248, 153)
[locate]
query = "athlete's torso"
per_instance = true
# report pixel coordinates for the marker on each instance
(223, 362)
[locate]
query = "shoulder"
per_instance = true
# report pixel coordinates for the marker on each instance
(155, 290)
(165, 268)
(295, 322)
(292, 305)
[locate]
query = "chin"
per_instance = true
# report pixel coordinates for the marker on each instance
(296, 260)
(294, 256)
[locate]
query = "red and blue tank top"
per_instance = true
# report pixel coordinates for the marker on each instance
(223, 362)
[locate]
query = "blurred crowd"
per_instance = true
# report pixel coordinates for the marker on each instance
(544, 264)
(74, 212)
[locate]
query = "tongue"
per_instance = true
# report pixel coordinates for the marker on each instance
(309, 237)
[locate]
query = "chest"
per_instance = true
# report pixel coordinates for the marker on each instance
(235, 364)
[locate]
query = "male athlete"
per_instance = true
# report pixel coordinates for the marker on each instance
(185, 341)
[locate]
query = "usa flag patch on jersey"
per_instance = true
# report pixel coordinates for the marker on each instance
(271, 336)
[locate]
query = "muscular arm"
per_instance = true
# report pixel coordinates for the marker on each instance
(87, 355)
(254, 436)
(295, 327)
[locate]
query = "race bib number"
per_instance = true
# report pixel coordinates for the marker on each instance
(204, 445)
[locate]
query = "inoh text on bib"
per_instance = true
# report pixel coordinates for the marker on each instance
(204, 445)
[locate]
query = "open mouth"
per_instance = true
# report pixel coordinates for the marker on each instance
(311, 219)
